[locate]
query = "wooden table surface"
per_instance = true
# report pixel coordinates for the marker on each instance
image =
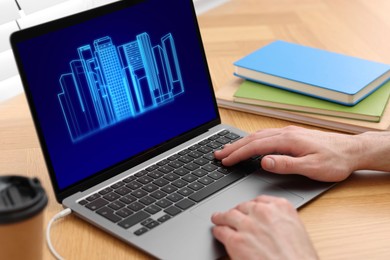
(351, 221)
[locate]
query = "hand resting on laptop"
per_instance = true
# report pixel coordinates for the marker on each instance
(269, 227)
(319, 155)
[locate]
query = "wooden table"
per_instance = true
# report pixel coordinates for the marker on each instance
(351, 221)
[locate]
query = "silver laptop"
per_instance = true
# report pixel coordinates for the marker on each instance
(123, 104)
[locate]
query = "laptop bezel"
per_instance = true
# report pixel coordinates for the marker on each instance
(118, 168)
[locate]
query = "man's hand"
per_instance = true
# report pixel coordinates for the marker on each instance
(318, 155)
(264, 228)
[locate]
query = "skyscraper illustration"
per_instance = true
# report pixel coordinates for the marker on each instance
(108, 84)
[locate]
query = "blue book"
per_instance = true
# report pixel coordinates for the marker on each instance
(322, 74)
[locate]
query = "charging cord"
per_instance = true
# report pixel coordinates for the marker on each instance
(56, 217)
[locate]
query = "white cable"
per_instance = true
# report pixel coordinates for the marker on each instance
(59, 215)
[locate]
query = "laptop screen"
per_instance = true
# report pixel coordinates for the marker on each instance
(111, 86)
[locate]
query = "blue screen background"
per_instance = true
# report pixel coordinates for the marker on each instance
(46, 57)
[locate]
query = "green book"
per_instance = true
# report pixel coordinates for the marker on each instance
(369, 109)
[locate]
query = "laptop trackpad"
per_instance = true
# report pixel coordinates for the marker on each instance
(245, 190)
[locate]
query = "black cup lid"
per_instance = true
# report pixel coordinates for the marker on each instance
(20, 198)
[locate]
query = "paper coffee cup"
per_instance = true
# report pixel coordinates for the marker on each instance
(22, 201)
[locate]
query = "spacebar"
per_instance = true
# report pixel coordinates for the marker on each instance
(216, 186)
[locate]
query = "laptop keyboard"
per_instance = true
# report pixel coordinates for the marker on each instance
(171, 186)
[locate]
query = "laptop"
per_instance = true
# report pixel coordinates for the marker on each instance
(123, 104)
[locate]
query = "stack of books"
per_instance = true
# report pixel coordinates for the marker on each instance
(312, 86)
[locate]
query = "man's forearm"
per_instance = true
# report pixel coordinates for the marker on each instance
(374, 151)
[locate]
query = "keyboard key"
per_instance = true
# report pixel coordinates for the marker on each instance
(105, 191)
(199, 172)
(174, 157)
(146, 221)
(184, 152)
(191, 166)
(134, 219)
(232, 136)
(223, 140)
(194, 154)
(161, 182)
(210, 167)
(147, 200)
(179, 183)
(163, 203)
(194, 147)
(171, 177)
(163, 162)
(129, 179)
(174, 197)
(181, 171)
(152, 209)
(173, 211)
(150, 187)
(124, 212)
(156, 174)
(205, 180)
(141, 173)
(209, 156)
(164, 218)
(145, 179)
(205, 150)
(206, 141)
(93, 197)
(201, 161)
(97, 204)
(176, 164)
(185, 204)
(214, 145)
(83, 202)
(136, 206)
(111, 196)
(158, 194)
(224, 132)
(134, 185)
(190, 178)
(141, 231)
(108, 214)
(117, 185)
(186, 159)
(215, 175)
(195, 186)
(128, 199)
(169, 189)
(214, 137)
(116, 205)
(152, 224)
(216, 186)
(165, 169)
(225, 170)
(185, 191)
(152, 168)
(139, 193)
(123, 191)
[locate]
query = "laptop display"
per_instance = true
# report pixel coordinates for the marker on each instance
(116, 85)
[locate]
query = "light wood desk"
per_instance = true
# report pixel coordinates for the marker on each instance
(351, 221)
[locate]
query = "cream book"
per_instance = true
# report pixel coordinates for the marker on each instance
(225, 95)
